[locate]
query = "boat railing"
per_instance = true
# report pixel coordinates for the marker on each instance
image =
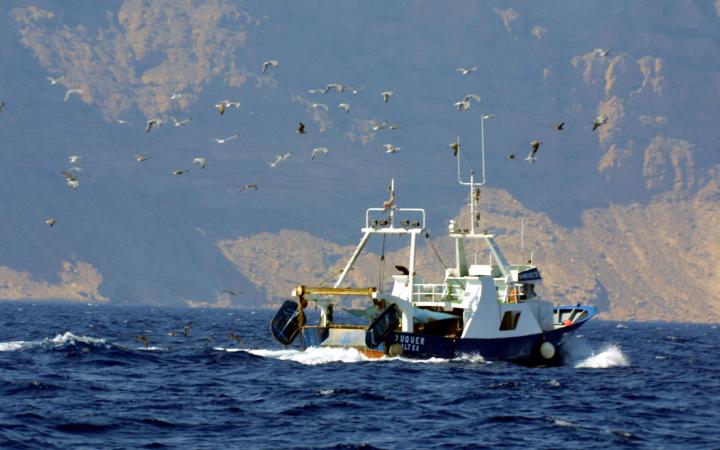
(437, 292)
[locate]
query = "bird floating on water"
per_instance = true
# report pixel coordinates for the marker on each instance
(317, 151)
(301, 128)
(269, 63)
(344, 106)
(466, 70)
(69, 92)
(200, 161)
(534, 147)
(224, 140)
(386, 95)
(186, 329)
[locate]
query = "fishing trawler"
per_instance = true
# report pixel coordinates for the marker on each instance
(491, 310)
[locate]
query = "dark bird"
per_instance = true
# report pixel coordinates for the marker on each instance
(559, 126)
(248, 186)
(599, 120)
(455, 146)
(2, 106)
(386, 95)
(534, 147)
(144, 340)
(510, 156)
(186, 329)
(234, 337)
(403, 270)
(269, 63)
(301, 128)
(180, 171)
(228, 291)
(152, 122)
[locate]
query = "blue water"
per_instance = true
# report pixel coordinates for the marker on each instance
(75, 376)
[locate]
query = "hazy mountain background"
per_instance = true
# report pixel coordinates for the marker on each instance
(626, 217)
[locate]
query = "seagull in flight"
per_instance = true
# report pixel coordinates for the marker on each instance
(386, 95)
(74, 159)
(139, 157)
(510, 156)
(144, 340)
(122, 122)
(354, 91)
(269, 63)
(224, 140)
(70, 179)
(344, 106)
(602, 52)
(384, 126)
(176, 96)
(301, 128)
(152, 122)
(466, 70)
(317, 151)
(455, 146)
(200, 161)
(179, 123)
(320, 106)
(55, 81)
(534, 147)
(337, 86)
(180, 171)
(599, 120)
(226, 104)
(279, 159)
(50, 221)
(248, 186)
(69, 92)
(559, 126)
(390, 148)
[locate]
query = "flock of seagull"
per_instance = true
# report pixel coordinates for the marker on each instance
(72, 174)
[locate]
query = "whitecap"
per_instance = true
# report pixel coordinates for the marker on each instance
(70, 338)
(563, 423)
(14, 346)
(610, 356)
(471, 358)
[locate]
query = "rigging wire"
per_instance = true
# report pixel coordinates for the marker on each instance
(434, 249)
(382, 265)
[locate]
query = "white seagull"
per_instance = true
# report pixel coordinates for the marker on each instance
(226, 104)
(280, 158)
(74, 159)
(466, 70)
(55, 81)
(534, 146)
(179, 123)
(152, 122)
(224, 140)
(317, 151)
(140, 157)
(344, 106)
(386, 95)
(69, 92)
(390, 148)
(320, 106)
(337, 86)
(200, 161)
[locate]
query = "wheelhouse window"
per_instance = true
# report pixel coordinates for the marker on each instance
(510, 320)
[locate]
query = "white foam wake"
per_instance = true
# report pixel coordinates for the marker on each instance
(14, 346)
(313, 355)
(68, 337)
(610, 356)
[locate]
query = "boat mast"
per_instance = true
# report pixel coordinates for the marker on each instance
(472, 184)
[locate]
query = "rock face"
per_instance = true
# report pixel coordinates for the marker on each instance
(622, 216)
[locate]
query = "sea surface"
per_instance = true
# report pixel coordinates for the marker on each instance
(79, 376)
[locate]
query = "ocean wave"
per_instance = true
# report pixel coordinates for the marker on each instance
(610, 356)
